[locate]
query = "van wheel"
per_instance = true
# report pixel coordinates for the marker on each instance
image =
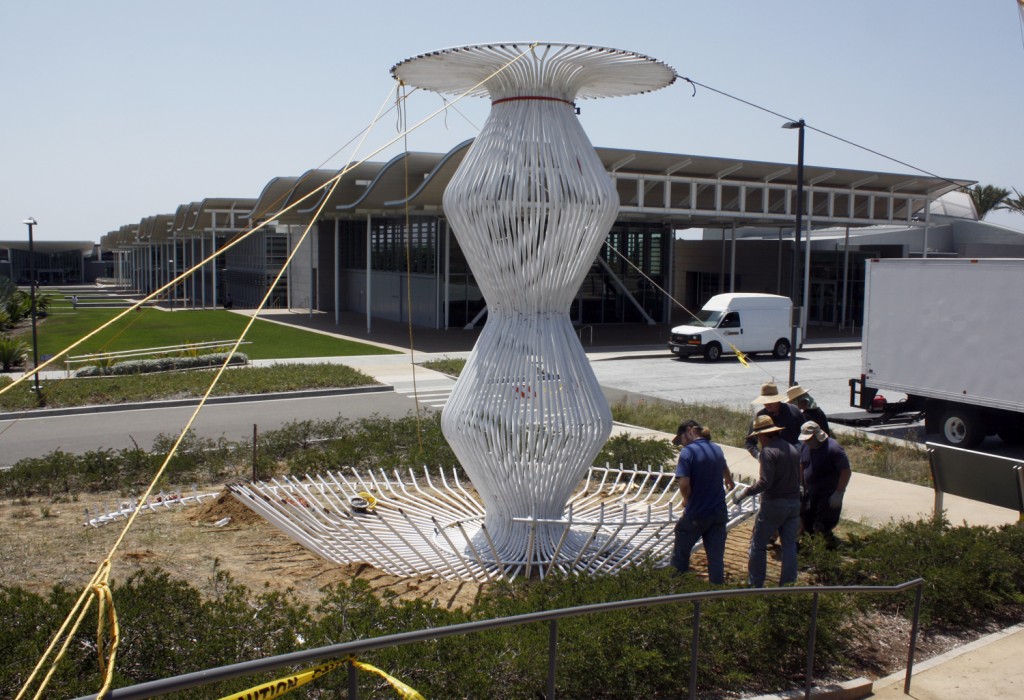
(712, 352)
(961, 427)
(781, 348)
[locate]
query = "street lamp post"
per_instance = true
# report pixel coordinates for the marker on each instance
(795, 276)
(30, 222)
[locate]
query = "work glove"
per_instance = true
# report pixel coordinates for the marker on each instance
(835, 501)
(740, 495)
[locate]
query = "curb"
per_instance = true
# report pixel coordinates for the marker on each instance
(647, 351)
(849, 690)
(177, 403)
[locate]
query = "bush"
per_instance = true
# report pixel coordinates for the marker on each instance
(631, 451)
(160, 364)
(970, 572)
(13, 351)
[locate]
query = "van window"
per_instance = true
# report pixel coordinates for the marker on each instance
(731, 320)
(707, 318)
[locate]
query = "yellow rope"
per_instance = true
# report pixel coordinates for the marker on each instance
(403, 116)
(99, 584)
(101, 580)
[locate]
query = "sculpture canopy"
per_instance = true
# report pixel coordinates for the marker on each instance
(587, 71)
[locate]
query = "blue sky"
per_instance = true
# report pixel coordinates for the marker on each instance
(117, 110)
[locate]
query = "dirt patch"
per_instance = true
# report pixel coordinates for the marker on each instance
(223, 506)
(47, 542)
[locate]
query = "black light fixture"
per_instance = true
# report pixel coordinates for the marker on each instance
(795, 276)
(30, 222)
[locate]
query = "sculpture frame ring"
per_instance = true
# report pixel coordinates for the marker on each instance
(586, 71)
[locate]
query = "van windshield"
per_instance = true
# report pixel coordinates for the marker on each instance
(708, 319)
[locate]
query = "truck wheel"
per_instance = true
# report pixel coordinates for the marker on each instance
(781, 349)
(961, 427)
(712, 352)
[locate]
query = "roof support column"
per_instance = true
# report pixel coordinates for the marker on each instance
(213, 252)
(337, 274)
(778, 267)
(447, 274)
(732, 258)
(369, 258)
(846, 276)
(202, 273)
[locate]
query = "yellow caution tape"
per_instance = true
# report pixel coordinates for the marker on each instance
(401, 688)
(277, 688)
(280, 686)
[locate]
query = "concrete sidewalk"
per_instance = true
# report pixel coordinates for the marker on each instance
(989, 667)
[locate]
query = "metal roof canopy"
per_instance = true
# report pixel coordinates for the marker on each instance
(677, 189)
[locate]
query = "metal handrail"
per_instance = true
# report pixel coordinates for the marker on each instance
(222, 673)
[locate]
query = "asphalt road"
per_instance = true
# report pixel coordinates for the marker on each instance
(76, 434)
(824, 373)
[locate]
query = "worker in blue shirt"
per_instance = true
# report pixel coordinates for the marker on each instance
(702, 476)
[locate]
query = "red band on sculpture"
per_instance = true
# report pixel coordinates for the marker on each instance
(536, 97)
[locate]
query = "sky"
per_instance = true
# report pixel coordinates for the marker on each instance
(117, 110)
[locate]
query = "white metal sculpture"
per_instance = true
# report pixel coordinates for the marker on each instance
(531, 205)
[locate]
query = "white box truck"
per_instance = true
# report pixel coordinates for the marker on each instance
(750, 323)
(948, 333)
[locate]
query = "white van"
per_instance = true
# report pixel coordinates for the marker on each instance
(749, 322)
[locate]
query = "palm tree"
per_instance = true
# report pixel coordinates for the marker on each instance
(987, 198)
(1016, 202)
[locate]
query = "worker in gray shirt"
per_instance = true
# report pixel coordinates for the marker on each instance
(783, 414)
(779, 486)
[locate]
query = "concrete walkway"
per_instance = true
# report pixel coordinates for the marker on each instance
(989, 667)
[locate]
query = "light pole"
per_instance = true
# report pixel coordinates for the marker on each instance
(795, 276)
(30, 222)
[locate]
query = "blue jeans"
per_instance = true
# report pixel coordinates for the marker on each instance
(775, 515)
(710, 529)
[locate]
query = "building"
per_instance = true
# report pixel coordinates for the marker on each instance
(378, 242)
(55, 262)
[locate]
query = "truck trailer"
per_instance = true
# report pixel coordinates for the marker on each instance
(948, 333)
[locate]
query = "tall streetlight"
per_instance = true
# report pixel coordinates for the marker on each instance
(30, 222)
(795, 276)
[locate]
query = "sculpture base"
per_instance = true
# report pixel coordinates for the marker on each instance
(428, 523)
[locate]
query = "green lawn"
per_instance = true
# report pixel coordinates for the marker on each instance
(150, 328)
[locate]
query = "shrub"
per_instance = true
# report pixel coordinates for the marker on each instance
(970, 572)
(630, 451)
(160, 364)
(13, 351)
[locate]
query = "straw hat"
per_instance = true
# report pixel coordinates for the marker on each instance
(795, 392)
(769, 394)
(763, 425)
